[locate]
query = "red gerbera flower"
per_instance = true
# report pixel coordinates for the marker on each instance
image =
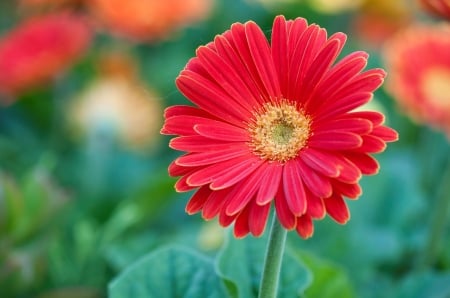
(39, 48)
(418, 59)
(274, 123)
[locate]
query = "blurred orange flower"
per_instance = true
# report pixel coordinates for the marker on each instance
(377, 20)
(418, 60)
(437, 7)
(38, 49)
(148, 19)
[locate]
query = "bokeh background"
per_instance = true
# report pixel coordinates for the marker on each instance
(84, 189)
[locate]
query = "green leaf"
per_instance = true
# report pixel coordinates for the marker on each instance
(329, 280)
(168, 273)
(240, 264)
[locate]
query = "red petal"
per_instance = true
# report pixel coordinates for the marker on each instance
(222, 131)
(176, 170)
(269, 184)
(226, 76)
(305, 227)
(182, 186)
(351, 191)
(371, 144)
(183, 110)
(322, 64)
(335, 140)
(196, 144)
(228, 52)
(214, 171)
(241, 44)
(349, 172)
(206, 158)
(209, 97)
(366, 163)
(344, 105)
(224, 219)
(337, 209)
(316, 207)
(260, 52)
(197, 201)
(320, 161)
(337, 77)
(214, 204)
(244, 191)
(319, 185)
(279, 51)
(241, 226)
(306, 50)
(258, 218)
(375, 117)
(385, 133)
(284, 214)
(293, 188)
(235, 175)
(353, 125)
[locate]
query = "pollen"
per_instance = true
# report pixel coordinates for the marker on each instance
(279, 131)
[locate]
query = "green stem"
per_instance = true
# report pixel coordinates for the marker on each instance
(272, 262)
(438, 221)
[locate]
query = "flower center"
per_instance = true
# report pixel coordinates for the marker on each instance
(279, 131)
(436, 87)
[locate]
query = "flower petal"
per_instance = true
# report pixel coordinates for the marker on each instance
(335, 140)
(206, 158)
(351, 191)
(319, 185)
(197, 200)
(258, 218)
(337, 209)
(212, 172)
(260, 52)
(371, 144)
(196, 144)
(244, 191)
(316, 207)
(284, 214)
(235, 175)
(209, 97)
(214, 204)
(365, 163)
(305, 227)
(241, 225)
(385, 133)
(222, 131)
(269, 184)
(321, 161)
(293, 186)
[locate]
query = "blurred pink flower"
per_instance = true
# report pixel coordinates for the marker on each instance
(38, 49)
(418, 60)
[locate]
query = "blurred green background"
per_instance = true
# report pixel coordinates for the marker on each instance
(84, 189)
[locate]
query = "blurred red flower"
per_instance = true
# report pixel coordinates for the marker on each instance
(38, 49)
(418, 59)
(148, 19)
(437, 7)
(275, 123)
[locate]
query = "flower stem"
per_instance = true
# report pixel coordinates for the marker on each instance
(272, 263)
(438, 221)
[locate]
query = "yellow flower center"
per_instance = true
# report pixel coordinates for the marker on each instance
(279, 131)
(436, 87)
